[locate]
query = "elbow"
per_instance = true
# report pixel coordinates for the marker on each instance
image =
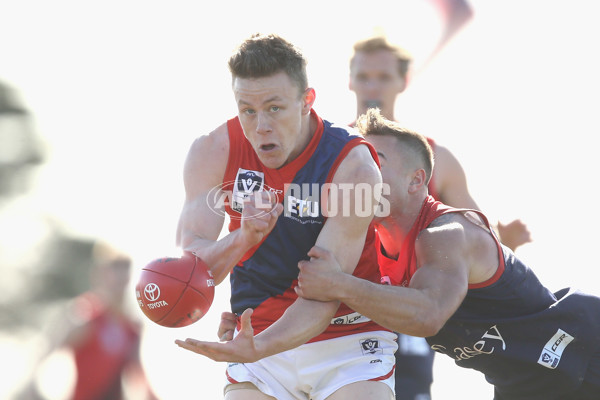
(431, 329)
(426, 325)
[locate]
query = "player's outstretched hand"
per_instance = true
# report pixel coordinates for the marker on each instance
(514, 234)
(240, 349)
(227, 326)
(318, 277)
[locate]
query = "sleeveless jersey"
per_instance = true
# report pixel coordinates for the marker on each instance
(100, 360)
(266, 275)
(529, 342)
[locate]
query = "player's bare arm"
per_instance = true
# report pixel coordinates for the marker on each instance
(344, 236)
(199, 225)
(452, 253)
(451, 180)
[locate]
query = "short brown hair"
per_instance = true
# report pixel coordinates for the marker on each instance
(265, 55)
(377, 43)
(373, 123)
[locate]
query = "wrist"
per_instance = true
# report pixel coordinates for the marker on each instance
(340, 288)
(241, 242)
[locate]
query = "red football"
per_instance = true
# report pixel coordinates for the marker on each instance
(175, 292)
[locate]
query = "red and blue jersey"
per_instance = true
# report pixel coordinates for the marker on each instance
(529, 342)
(265, 277)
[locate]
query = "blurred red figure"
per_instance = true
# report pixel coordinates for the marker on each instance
(103, 338)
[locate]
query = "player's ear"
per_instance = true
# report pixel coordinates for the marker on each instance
(405, 81)
(418, 180)
(308, 99)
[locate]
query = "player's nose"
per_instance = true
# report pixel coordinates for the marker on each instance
(263, 125)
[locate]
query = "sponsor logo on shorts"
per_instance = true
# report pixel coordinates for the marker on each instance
(552, 352)
(370, 346)
(348, 319)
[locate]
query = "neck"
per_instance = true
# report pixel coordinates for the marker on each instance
(308, 129)
(386, 111)
(394, 229)
(111, 300)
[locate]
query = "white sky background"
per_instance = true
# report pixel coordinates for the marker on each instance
(119, 89)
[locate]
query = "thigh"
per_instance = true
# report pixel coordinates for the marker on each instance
(363, 390)
(245, 391)
(349, 367)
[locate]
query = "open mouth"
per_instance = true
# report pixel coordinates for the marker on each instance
(267, 147)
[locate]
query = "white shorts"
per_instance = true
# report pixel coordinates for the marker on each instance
(314, 371)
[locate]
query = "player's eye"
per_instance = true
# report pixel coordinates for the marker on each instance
(274, 108)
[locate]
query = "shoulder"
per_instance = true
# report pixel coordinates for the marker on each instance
(459, 229)
(214, 144)
(449, 226)
(460, 232)
(208, 154)
(444, 158)
(359, 166)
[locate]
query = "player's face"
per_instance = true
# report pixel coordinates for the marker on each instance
(271, 112)
(375, 78)
(394, 172)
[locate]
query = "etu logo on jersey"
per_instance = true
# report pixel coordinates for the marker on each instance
(301, 202)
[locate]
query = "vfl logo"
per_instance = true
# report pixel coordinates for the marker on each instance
(233, 194)
(553, 350)
(354, 318)
(152, 292)
(370, 346)
(246, 182)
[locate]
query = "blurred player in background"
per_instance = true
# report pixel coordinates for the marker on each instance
(273, 160)
(100, 334)
(379, 72)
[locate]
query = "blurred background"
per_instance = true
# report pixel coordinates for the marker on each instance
(99, 102)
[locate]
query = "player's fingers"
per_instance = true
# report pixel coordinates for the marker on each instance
(277, 210)
(262, 200)
(226, 315)
(226, 328)
(189, 344)
(318, 252)
(246, 320)
(206, 349)
(226, 336)
(301, 265)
